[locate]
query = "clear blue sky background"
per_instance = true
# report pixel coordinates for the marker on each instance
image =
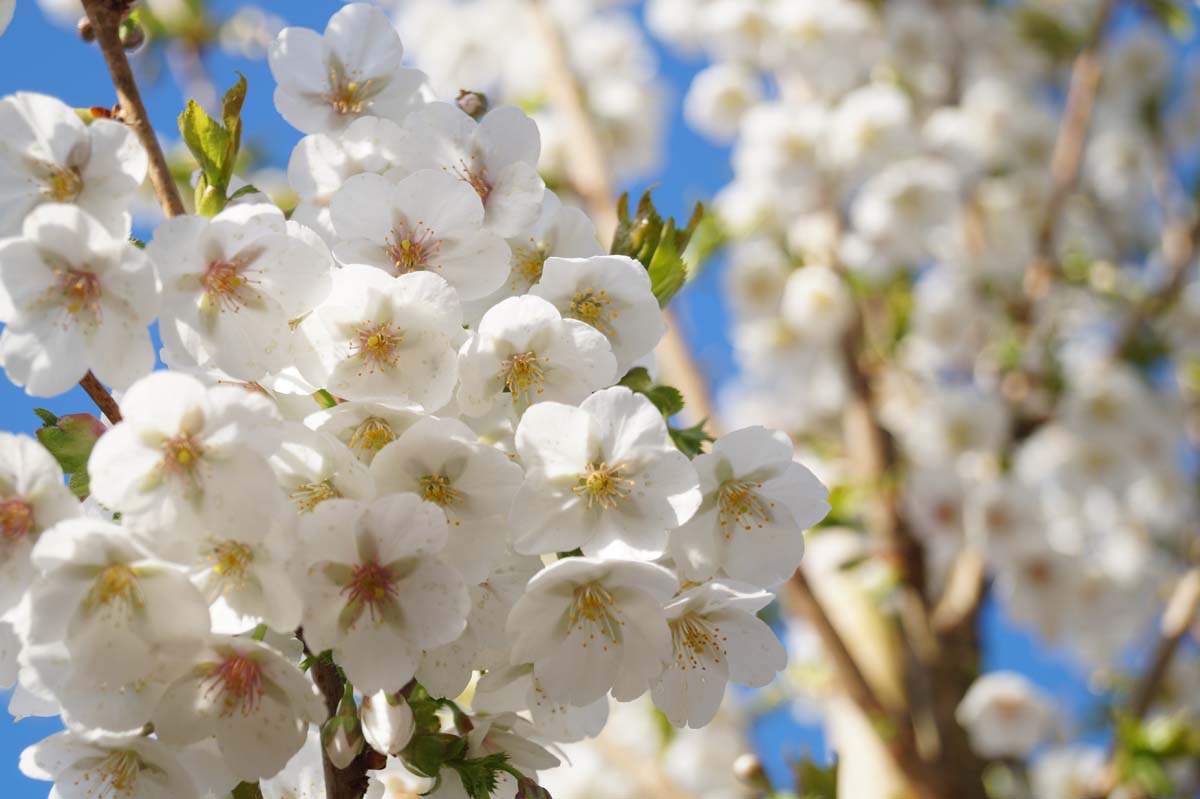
(36, 56)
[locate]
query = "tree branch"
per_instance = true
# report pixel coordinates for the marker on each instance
(351, 782)
(591, 178)
(1067, 160)
(1182, 609)
(105, 16)
(101, 397)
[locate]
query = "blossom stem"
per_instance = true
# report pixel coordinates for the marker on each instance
(591, 177)
(105, 16)
(1182, 609)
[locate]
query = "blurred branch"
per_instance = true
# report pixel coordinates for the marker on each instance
(1182, 609)
(1067, 160)
(105, 16)
(590, 176)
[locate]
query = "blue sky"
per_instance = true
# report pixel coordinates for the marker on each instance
(36, 56)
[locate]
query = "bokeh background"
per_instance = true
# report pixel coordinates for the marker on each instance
(38, 55)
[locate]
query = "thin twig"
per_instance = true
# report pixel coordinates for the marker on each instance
(105, 16)
(591, 178)
(1067, 159)
(101, 397)
(1182, 609)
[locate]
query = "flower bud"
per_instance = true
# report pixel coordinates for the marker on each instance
(387, 723)
(85, 29)
(528, 789)
(341, 735)
(132, 34)
(473, 104)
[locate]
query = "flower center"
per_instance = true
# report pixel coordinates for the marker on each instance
(180, 455)
(231, 559)
(226, 285)
(80, 291)
(115, 583)
(347, 92)
(310, 495)
(16, 520)
(436, 488)
(63, 184)
(412, 250)
(373, 588)
(522, 374)
(592, 307)
(603, 485)
(476, 178)
(693, 637)
(372, 435)
(120, 771)
(527, 266)
(378, 344)
(238, 680)
(593, 610)
(738, 504)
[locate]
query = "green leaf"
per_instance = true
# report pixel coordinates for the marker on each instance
(215, 146)
(247, 790)
(479, 774)
(1174, 16)
(427, 753)
(690, 440)
(666, 267)
(80, 484)
(70, 439)
(667, 399)
(816, 782)
(1048, 34)
(207, 140)
(249, 188)
(47, 417)
(324, 398)
(705, 237)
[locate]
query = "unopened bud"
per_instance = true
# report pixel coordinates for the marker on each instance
(387, 723)
(132, 34)
(341, 735)
(749, 769)
(473, 104)
(85, 29)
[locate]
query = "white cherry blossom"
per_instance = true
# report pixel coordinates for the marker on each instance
(441, 461)
(757, 504)
(91, 767)
(325, 82)
(32, 499)
(612, 294)
(603, 476)
(247, 695)
(496, 157)
(49, 155)
(375, 590)
(591, 625)
(382, 337)
(717, 639)
(74, 297)
(524, 353)
(428, 221)
(232, 284)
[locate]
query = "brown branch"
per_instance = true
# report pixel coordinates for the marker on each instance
(1182, 609)
(105, 16)
(1067, 159)
(591, 178)
(101, 397)
(351, 782)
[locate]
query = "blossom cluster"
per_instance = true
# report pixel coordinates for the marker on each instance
(391, 449)
(896, 190)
